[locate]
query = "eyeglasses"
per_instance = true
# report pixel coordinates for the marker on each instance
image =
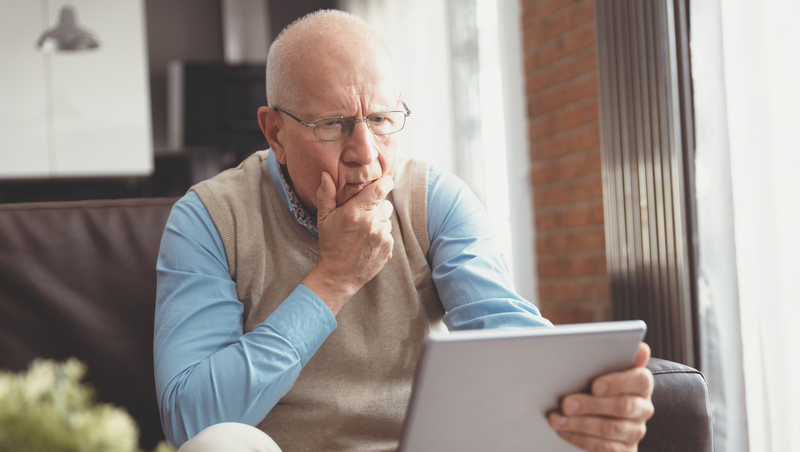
(340, 127)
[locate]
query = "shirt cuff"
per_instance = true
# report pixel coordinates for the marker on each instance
(304, 320)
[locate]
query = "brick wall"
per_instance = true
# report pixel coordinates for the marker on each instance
(561, 85)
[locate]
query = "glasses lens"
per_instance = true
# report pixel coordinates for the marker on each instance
(386, 122)
(331, 129)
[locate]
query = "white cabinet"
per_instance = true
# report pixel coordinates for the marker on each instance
(74, 114)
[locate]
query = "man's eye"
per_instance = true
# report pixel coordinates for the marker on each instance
(378, 119)
(332, 123)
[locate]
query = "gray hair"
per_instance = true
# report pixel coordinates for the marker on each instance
(281, 91)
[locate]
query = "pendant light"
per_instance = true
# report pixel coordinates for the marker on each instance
(66, 36)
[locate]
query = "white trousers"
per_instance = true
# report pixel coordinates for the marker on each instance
(230, 437)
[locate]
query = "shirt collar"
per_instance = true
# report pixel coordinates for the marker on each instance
(289, 197)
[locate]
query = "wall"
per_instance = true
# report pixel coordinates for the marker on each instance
(564, 137)
(178, 29)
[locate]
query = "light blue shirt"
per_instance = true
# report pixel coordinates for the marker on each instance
(208, 370)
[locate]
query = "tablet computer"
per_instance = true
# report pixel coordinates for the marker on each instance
(485, 390)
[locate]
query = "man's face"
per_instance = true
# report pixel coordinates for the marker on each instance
(336, 87)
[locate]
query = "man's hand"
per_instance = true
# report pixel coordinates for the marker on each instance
(613, 416)
(355, 240)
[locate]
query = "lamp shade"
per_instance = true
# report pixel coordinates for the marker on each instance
(66, 36)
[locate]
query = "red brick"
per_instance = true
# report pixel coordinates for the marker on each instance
(577, 217)
(586, 139)
(589, 60)
(549, 268)
(595, 162)
(536, 152)
(601, 265)
(533, 107)
(554, 244)
(569, 69)
(552, 197)
(541, 127)
(588, 190)
(546, 221)
(568, 119)
(596, 290)
(580, 39)
(530, 63)
(578, 166)
(583, 266)
(549, 54)
(544, 175)
(556, 147)
(559, 24)
(534, 36)
(584, 12)
(596, 213)
(536, 83)
(554, 100)
(583, 89)
(591, 111)
(547, 8)
(528, 19)
(582, 216)
(564, 291)
(571, 312)
(591, 240)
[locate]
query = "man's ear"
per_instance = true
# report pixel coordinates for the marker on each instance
(271, 124)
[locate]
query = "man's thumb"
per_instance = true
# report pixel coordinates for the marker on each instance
(326, 196)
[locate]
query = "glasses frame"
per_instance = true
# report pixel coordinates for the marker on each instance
(313, 124)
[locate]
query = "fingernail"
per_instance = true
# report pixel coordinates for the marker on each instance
(571, 406)
(559, 420)
(600, 388)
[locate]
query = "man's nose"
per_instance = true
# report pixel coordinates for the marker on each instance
(360, 145)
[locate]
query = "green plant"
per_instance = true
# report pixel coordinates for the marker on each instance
(47, 408)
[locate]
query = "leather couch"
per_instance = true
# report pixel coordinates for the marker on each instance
(78, 279)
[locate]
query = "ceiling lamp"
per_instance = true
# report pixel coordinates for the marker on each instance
(66, 36)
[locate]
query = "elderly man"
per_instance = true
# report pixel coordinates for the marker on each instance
(295, 291)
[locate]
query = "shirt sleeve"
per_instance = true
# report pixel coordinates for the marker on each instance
(470, 275)
(206, 369)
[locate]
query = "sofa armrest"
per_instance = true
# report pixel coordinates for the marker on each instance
(682, 419)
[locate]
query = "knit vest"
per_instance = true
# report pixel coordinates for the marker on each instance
(353, 393)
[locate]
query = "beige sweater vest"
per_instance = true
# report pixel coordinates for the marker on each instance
(353, 393)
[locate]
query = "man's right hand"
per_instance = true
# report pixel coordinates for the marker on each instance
(355, 240)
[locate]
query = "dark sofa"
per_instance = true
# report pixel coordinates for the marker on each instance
(78, 279)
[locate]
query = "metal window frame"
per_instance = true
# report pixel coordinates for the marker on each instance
(647, 148)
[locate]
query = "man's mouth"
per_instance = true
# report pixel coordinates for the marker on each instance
(360, 185)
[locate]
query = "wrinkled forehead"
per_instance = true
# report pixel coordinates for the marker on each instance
(336, 56)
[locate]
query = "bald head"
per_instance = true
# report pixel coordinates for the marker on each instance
(324, 45)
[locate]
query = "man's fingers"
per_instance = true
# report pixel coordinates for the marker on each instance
(619, 406)
(593, 443)
(609, 430)
(385, 209)
(636, 381)
(326, 197)
(642, 355)
(375, 193)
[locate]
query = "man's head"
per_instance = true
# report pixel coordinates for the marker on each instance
(324, 65)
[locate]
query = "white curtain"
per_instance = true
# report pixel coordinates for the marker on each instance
(747, 108)
(417, 33)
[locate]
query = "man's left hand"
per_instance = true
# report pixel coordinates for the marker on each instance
(613, 416)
